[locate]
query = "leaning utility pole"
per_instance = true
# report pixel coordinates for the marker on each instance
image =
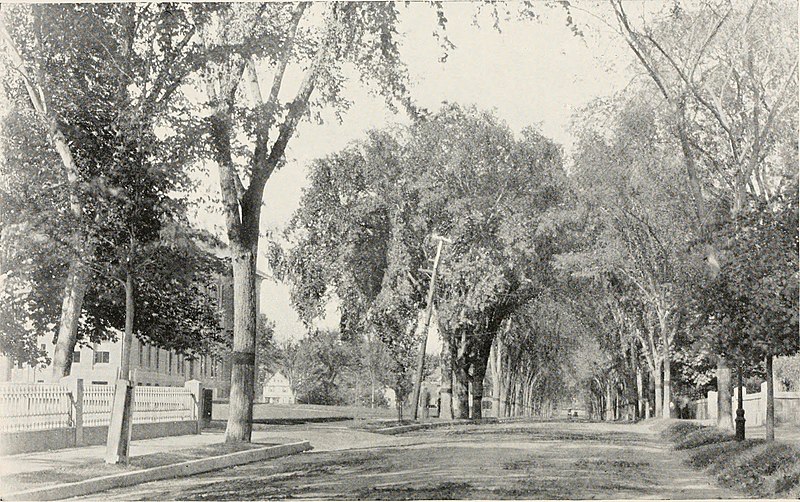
(428, 314)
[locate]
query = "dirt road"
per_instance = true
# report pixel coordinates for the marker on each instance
(521, 461)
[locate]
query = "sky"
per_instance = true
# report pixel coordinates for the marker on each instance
(532, 73)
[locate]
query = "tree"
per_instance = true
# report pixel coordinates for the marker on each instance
(357, 34)
(727, 72)
(364, 226)
(642, 233)
(94, 92)
(324, 358)
(753, 302)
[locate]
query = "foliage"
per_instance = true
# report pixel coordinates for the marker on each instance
(752, 306)
(106, 92)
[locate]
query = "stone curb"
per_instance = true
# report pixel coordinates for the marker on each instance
(191, 467)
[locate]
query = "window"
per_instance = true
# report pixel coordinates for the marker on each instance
(141, 353)
(101, 357)
(19, 364)
(169, 364)
(99, 382)
(76, 357)
(158, 351)
(149, 356)
(44, 347)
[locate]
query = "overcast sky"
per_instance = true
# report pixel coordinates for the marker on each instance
(532, 73)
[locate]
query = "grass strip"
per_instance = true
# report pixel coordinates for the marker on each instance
(756, 467)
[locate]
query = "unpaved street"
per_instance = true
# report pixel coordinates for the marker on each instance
(516, 460)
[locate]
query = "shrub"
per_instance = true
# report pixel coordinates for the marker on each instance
(756, 467)
(750, 469)
(679, 430)
(703, 436)
(712, 455)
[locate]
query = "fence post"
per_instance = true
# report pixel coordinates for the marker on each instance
(196, 388)
(75, 387)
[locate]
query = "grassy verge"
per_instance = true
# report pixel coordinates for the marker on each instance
(72, 472)
(757, 467)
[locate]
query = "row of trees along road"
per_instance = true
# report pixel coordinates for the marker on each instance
(686, 195)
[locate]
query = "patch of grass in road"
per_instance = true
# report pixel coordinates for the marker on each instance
(72, 473)
(546, 434)
(447, 490)
(520, 465)
(612, 465)
(757, 467)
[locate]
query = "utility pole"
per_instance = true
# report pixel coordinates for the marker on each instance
(428, 314)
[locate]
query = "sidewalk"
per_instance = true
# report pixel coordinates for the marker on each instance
(321, 437)
(47, 460)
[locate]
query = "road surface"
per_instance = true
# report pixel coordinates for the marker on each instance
(494, 461)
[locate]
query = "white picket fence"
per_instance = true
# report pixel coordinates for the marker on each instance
(32, 407)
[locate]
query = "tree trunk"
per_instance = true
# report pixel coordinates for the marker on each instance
(639, 394)
(477, 393)
(659, 386)
(445, 393)
(667, 413)
(770, 424)
(399, 406)
(497, 378)
(240, 416)
(71, 305)
(127, 340)
(724, 405)
(460, 392)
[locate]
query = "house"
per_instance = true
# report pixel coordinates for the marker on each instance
(278, 390)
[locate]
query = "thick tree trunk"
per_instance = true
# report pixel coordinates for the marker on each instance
(770, 424)
(497, 378)
(460, 391)
(667, 385)
(659, 384)
(240, 415)
(71, 305)
(724, 405)
(477, 393)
